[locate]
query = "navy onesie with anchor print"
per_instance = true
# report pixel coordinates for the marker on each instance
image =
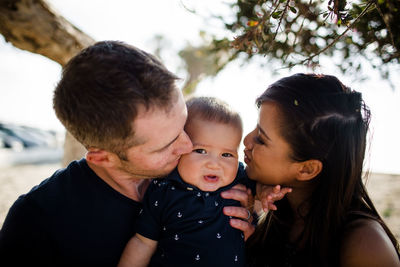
(189, 224)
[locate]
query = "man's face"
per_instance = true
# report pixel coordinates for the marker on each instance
(163, 141)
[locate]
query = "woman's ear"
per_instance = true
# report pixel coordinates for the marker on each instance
(101, 157)
(308, 169)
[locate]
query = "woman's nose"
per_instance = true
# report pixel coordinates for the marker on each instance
(248, 140)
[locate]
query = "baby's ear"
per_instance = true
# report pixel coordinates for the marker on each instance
(308, 169)
(101, 157)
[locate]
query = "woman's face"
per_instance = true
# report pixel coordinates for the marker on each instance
(266, 152)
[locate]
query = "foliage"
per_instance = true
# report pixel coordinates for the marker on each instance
(294, 32)
(205, 60)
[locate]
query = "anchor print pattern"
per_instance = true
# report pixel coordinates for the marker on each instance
(212, 201)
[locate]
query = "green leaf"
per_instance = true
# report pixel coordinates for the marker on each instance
(293, 9)
(276, 14)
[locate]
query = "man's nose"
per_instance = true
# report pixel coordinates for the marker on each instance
(184, 144)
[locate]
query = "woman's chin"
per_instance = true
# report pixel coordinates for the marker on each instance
(250, 173)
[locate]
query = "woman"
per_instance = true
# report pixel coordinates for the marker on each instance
(311, 136)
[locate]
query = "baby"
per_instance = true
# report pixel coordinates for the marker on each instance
(182, 223)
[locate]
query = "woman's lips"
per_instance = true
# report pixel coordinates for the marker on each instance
(247, 159)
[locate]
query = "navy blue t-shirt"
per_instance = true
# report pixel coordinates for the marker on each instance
(189, 224)
(71, 219)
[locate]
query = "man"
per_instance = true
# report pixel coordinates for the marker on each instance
(123, 106)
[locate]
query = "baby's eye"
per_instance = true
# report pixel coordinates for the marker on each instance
(227, 155)
(258, 140)
(200, 151)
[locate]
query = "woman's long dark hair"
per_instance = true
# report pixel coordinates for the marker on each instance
(325, 120)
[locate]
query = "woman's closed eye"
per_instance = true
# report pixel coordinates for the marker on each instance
(258, 140)
(200, 151)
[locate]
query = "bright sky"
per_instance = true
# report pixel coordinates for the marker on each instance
(27, 80)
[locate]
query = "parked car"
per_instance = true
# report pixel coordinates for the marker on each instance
(28, 136)
(10, 142)
(48, 137)
(28, 145)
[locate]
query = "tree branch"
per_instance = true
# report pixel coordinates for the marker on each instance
(386, 23)
(370, 3)
(34, 26)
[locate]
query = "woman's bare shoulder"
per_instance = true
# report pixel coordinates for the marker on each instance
(367, 244)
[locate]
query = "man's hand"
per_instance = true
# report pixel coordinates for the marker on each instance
(268, 194)
(242, 216)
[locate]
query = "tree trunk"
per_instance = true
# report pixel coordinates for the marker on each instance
(34, 26)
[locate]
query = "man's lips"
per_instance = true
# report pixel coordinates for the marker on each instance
(176, 160)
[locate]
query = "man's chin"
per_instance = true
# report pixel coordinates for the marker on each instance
(167, 170)
(154, 172)
(172, 165)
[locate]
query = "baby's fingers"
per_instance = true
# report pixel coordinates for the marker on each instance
(268, 205)
(276, 189)
(286, 190)
(276, 194)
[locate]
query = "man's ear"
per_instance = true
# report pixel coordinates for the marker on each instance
(309, 169)
(101, 157)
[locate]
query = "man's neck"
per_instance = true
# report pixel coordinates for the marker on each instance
(133, 188)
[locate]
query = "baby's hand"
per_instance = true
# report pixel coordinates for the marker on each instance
(268, 194)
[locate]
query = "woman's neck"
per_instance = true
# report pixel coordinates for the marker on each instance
(301, 192)
(298, 201)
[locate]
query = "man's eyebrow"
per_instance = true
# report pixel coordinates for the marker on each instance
(167, 145)
(263, 132)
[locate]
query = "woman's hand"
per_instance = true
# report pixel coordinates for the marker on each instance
(242, 216)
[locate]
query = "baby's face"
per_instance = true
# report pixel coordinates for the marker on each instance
(213, 163)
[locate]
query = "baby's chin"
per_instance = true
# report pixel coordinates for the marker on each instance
(208, 186)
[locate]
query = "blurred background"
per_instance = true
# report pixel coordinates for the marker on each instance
(194, 40)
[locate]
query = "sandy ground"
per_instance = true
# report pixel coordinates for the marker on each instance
(384, 190)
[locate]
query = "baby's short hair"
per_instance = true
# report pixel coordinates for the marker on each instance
(214, 110)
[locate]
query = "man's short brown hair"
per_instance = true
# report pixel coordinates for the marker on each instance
(101, 89)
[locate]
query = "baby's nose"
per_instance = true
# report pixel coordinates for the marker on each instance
(213, 163)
